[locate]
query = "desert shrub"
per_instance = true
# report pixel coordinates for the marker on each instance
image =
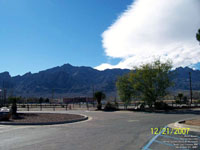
(140, 106)
(99, 106)
(185, 100)
(116, 104)
(110, 107)
(161, 106)
(178, 102)
(5, 114)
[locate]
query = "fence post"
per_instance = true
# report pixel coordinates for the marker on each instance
(93, 103)
(87, 105)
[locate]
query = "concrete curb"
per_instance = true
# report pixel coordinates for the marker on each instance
(48, 123)
(180, 124)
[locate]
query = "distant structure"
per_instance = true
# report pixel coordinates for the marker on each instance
(78, 100)
(56, 101)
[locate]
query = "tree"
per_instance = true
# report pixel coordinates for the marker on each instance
(99, 95)
(198, 36)
(41, 100)
(151, 80)
(46, 100)
(125, 90)
(180, 96)
(185, 99)
(14, 100)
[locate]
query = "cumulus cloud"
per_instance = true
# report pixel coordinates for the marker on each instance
(149, 29)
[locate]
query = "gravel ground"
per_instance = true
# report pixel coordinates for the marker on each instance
(193, 122)
(43, 118)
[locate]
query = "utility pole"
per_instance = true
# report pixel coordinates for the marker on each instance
(53, 100)
(5, 97)
(93, 93)
(1, 96)
(190, 88)
(52, 94)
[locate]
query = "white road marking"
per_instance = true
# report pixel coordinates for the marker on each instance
(133, 120)
(10, 128)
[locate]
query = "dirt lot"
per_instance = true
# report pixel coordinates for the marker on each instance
(193, 122)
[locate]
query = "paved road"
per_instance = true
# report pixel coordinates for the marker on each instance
(105, 131)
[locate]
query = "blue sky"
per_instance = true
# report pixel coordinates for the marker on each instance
(39, 34)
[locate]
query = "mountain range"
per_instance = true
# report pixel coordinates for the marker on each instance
(70, 81)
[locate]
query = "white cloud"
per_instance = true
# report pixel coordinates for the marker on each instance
(154, 28)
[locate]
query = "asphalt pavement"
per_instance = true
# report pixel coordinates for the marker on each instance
(121, 130)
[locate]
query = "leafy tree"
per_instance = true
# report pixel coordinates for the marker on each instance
(151, 80)
(125, 89)
(198, 36)
(99, 95)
